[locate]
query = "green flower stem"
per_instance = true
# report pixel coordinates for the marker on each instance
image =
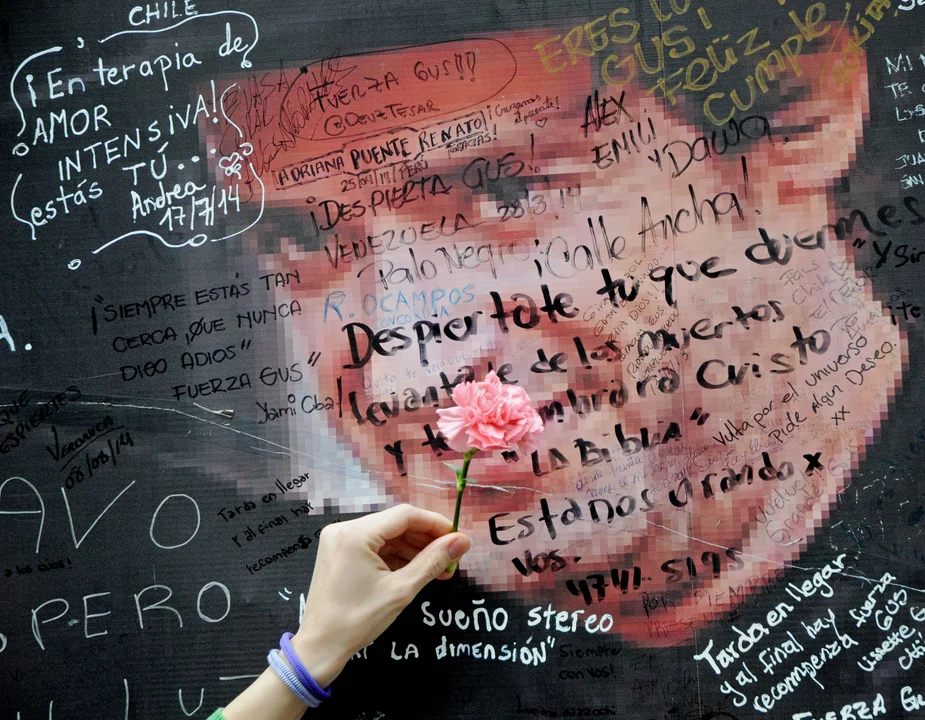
(460, 488)
(461, 484)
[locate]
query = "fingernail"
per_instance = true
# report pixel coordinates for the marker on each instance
(458, 547)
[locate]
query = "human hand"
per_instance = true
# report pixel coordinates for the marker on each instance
(366, 572)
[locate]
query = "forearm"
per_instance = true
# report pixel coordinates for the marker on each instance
(266, 697)
(269, 698)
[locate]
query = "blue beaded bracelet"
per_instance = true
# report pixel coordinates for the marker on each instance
(285, 644)
(292, 682)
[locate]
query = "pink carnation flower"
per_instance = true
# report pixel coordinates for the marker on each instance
(490, 415)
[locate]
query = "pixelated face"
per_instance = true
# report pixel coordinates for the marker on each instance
(709, 362)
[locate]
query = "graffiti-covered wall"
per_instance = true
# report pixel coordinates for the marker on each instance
(251, 248)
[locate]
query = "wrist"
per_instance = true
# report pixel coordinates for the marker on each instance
(322, 657)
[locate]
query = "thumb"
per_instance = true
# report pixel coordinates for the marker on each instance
(433, 560)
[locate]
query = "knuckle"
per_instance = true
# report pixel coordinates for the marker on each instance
(437, 565)
(328, 533)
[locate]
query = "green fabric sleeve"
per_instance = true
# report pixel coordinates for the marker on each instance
(217, 715)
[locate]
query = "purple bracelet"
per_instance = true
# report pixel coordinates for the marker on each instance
(308, 681)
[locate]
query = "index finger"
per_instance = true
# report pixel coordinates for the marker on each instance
(391, 523)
